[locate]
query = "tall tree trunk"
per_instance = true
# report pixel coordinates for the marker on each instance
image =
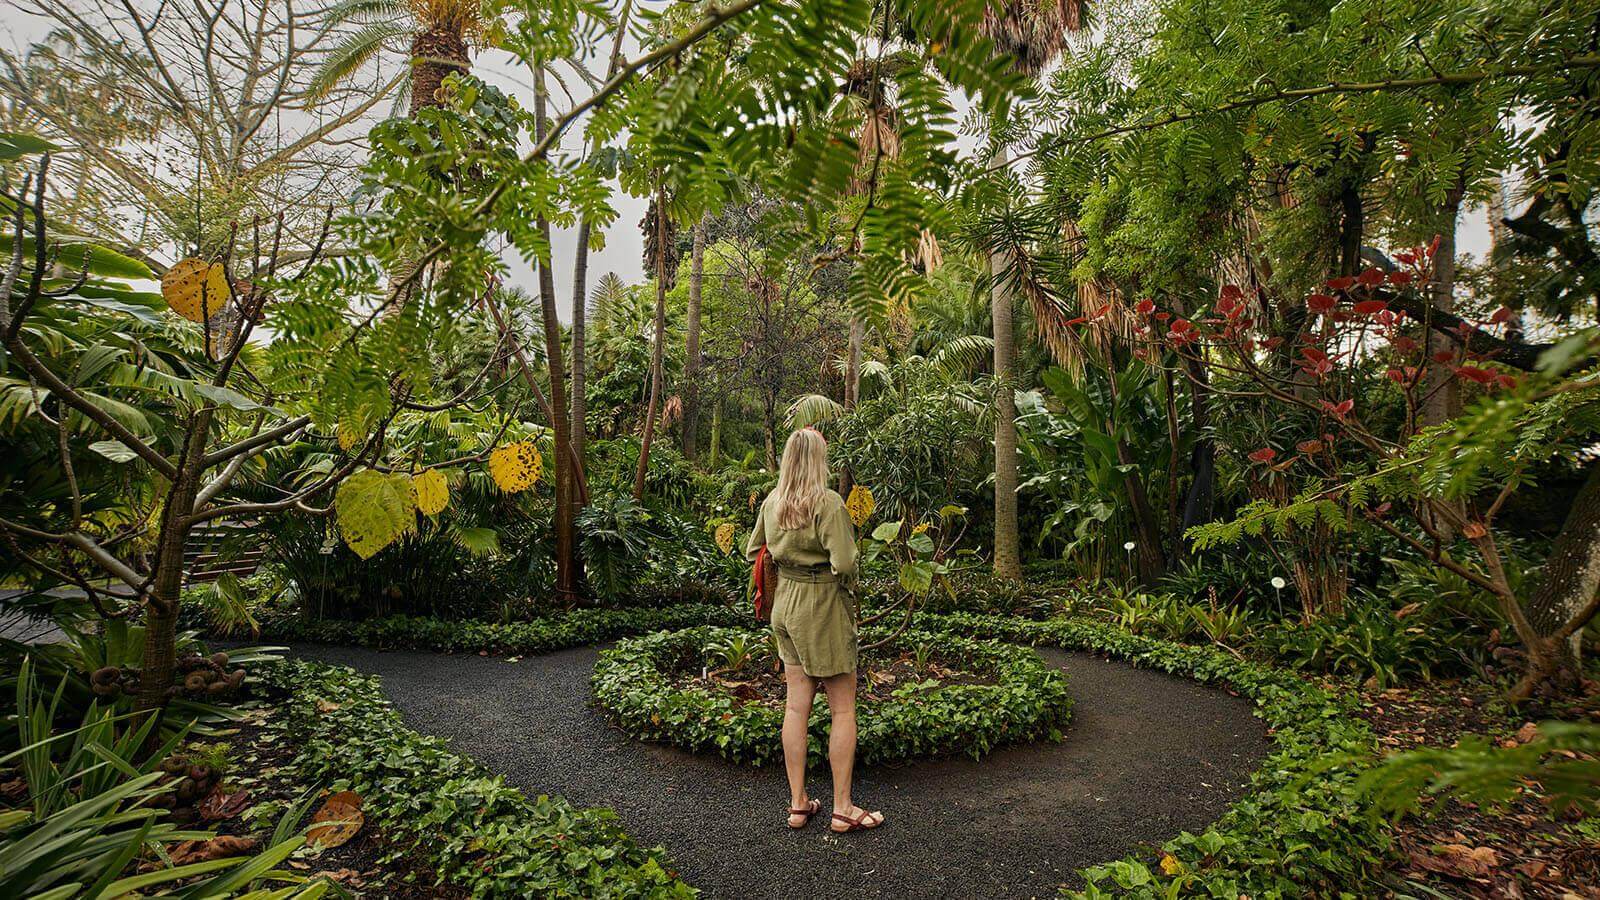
(580, 286)
(1443, 401)
(652, 409)
(1007, 552)
(691, 365)
(435, 55)
(714, 454)
(158, 664)
(564, 460)
(1442, 390)
(580, 343)
(1572, 572)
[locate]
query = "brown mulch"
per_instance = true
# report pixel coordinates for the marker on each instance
(1461, 850)
(261, 763)
(876, 679)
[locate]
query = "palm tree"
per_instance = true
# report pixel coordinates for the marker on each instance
(1033, 34)
(437, 33)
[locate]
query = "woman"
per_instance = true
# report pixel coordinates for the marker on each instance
(808, 532)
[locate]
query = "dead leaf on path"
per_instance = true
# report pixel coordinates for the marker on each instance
(1458, 860)
(214, 848)
(336, 822)
(1527, 732)
(219, 805)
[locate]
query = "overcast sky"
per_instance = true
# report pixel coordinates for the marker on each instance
(623, 240)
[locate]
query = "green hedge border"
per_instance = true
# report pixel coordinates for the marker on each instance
(1302, 830)
(479, 833)
(577, 628)
(1029, 702)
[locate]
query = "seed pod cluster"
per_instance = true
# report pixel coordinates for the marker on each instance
(205, 677)
(195, 781)
(113, 681)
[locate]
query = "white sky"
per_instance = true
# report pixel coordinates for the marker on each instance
(623, 240)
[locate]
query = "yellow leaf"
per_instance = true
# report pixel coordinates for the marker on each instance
(195, 289)
(347, 435)
(516, 466)
(1171, 865)
(433, 491)
(724, 537)
(860, 504)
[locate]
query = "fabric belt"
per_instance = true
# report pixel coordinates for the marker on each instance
(821, 573)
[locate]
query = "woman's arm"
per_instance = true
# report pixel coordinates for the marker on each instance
(838, 535)
(758, 535)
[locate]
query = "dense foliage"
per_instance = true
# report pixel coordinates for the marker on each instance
(634, 684)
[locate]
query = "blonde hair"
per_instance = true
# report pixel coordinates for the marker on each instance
(802, 478)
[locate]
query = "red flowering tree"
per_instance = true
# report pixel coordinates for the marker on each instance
(1362, 336)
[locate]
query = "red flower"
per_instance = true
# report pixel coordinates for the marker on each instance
(1506, 381)
(1338, 410)
(1370, 307)
(1163, 316)
(1182, 332)
(1264, 455)
(1433, 246)
(1473, 373)
(1145, 307)
(1404, 344)
(1443, 356)
(1342, 283)
(1232, 292)
(1370, 278)
(1075, 322)
(1406, 257)
(1320, 303)
(1398, 376)
(1399, 278)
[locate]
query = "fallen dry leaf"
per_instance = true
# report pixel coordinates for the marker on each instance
(214, 848)
(326, 706)
(336, 822)
(219, 805)
(1527, 732)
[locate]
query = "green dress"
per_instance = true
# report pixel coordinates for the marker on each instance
(813, 609)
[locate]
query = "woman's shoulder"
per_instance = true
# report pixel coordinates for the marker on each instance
(831, 499)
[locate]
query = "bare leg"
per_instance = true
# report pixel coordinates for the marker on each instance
(796, 714)
(841, 690)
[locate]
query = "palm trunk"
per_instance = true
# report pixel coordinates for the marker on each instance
(563, 458)
(653, 407)
(435, 55)
(691, 366)
(1007, 552)
(1572, 572)
(715, 453)
(580, 349)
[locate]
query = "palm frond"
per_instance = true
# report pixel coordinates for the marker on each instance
(352, 54)
(813, 409)
(963, 356)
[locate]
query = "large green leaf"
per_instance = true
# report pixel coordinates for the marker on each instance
(374, 509)
(16, 146)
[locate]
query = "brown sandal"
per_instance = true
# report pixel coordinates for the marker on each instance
(858, 824)
(812, 808)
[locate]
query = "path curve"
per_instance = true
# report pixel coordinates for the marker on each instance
(1147, 755)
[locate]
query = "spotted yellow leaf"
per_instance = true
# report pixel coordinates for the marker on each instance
(348, 435)
(433, 491)
(195, 289)
(860, 504)
(724, 537)
(516, 466)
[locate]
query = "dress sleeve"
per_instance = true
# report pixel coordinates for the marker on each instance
(838, 536)
(758, 535)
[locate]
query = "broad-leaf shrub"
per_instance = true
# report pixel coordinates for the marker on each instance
(480, 833)
(1029, 701)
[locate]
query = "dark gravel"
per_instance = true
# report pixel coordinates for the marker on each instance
(1147, 756)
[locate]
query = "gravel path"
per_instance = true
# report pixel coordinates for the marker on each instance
(1147, 755)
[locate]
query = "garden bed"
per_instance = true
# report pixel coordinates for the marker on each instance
(476, 833)
(921, 694)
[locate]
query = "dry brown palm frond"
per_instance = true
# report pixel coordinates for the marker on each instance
(462, 17)
(928, 256)
(1032, 32)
